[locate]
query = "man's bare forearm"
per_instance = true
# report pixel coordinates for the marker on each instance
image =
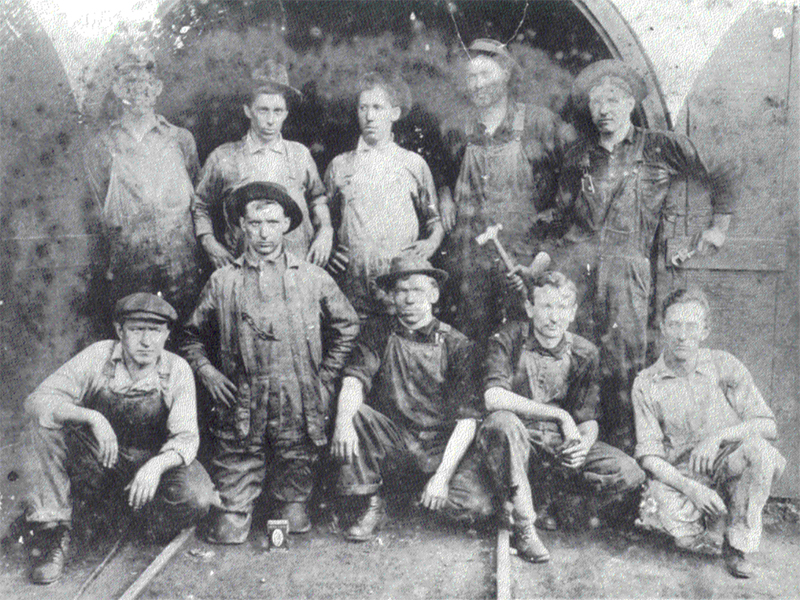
(457, 445)
(351, 397)
(497, 398)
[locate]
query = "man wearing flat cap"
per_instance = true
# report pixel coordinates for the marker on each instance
(141, 171)
(119, 415)
(614, 190)
(504, 154)
(267, 339)
(263, 155)
(407, 410)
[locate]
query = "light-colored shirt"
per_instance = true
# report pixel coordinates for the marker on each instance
(675, 413)
(81, 378)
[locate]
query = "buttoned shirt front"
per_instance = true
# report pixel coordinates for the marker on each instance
(675, 413)
(80, 378)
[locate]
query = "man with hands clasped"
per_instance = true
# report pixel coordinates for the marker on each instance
(701, 433)
(120, 414)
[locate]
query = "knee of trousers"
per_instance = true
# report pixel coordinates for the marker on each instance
(190, 488)
(631, 475)
(762, 457)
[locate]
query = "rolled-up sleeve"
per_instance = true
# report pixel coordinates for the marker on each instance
(649, 435)
(183, 434)
(341, 324)
(200, 327)
(315, 189)
(499, 369)
(740, 389)
(426, 200)
(208, 192)
(584, 389)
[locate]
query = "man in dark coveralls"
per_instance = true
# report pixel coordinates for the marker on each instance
(261, 320)
(613, 193)
(119, 414)
(407, 406)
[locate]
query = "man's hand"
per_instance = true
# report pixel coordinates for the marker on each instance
(143, 486)
(421, 248)
(569, 431)
(434, 496)
(514, 281)
(320, 249)
(344, 444)
(220, 387)
(217, 253)
(702, 458)
(448, 212)
(712, 237)
(707, 500)
(106, 440)
(574, 456)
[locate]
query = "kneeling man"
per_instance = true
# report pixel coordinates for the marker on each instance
(419, 417)
(542, 383)
(701, 433)
(121, 414)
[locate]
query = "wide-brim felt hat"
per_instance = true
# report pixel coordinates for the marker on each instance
(274, 74)
(144, 306)
(267, 192)
(595, 72)
(406, 265)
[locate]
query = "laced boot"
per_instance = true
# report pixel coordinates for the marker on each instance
(295, 513)
(53, 546)
(526, 541)
(737, 562)
(370, 520)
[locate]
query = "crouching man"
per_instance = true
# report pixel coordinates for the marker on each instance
(119, 415)
(542, 383)
(701, 433)
(419, 417)
(263, 319)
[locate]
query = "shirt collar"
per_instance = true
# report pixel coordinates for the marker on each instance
(363, 146)
(291, 261)
(119, 361)
(558, 351)
(423, 333)
(704, 366)
(503, 131)
(160, 124)
(252, 144)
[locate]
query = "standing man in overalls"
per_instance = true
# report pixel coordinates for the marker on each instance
(263, 155)
(508, 152)
(613, 192)
(141, 172)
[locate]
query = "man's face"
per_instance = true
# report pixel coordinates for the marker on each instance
(376, 115)
(683, 329)
(487, 82)
(267, 114)
(552, 312)
(611, 107)
(142, 340)
(414, 297)
(138, 90)
(263, 225)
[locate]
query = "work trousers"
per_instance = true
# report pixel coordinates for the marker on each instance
(59, 462)
(240, 469)
(517, 454)
(389, 453)
(742, 475)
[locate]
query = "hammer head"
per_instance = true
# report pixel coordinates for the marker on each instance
(490, 234)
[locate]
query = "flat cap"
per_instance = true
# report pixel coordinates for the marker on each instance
(142, 305)
(135, 57)
(595, 72)
(273, 73)
(267, 192)
(405, 265)
(492, 47)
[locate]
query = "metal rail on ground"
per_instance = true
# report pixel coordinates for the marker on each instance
(158, 564)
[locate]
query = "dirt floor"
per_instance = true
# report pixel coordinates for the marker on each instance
(419, 557)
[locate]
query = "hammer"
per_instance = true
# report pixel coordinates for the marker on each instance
(539, 263)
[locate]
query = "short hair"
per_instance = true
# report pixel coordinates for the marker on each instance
(508, 64)
(554, 279)
(685, 296)
(394, 86)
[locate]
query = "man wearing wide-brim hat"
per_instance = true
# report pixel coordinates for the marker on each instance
(263, 155)
(118, 419)
(255, 341)
(614, 191)
(408, 407)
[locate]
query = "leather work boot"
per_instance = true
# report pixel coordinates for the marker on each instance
(371, 519)
(53, 545)
(526, 541)
(545, 520)
(737, 562)
(295, 513)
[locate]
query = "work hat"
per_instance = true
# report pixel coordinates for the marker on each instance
(267, 192)
(594, 74)
(408, 264)
(144, 306)
(493, 48)
(134, 57)
(273, 73)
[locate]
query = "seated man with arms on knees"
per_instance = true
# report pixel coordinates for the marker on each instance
(121, 414)
(701, 433)
(419, 418)
(543, 384)
(280, 330)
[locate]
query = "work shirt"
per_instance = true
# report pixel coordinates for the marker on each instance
(81, 377)
(263, 325)
(385, 197)
(673, 414)
(421, 379)
(248, 160)
(143, 189)
(617, 198)
(566, 375)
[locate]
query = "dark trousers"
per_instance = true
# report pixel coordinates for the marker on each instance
(392, 454)
(514, 453)
(60, 461)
